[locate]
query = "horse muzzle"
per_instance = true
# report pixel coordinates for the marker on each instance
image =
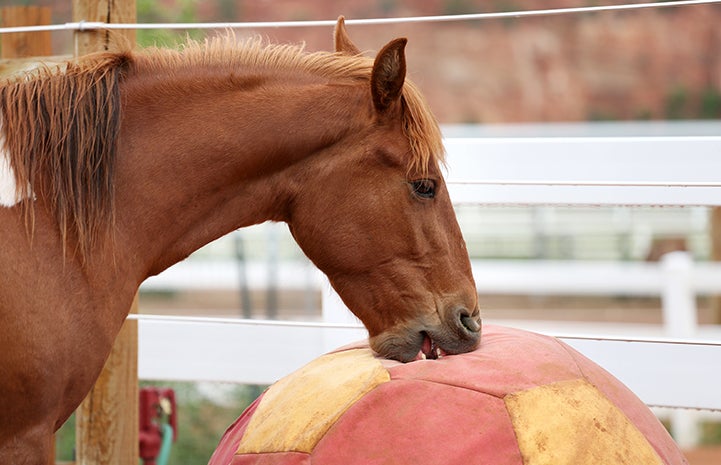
(460, 332)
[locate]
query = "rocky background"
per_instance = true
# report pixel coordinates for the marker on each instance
(660, 63)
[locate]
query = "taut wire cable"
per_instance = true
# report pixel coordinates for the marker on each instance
(93, 25)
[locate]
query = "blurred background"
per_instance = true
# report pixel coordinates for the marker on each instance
(653, 72)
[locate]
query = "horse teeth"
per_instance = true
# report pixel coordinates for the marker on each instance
(423, 356)
(438, 352)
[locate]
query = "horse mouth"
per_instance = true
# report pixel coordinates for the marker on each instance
(427, 342)
(468, 331)
(429, 350)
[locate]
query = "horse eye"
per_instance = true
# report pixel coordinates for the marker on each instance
(424, 188)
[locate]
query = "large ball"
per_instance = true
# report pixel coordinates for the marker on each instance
(519, 399)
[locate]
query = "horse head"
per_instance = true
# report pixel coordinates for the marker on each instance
(378, 220)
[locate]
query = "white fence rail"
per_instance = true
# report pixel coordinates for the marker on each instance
(661, 373)
(261, 352)
(659, 171)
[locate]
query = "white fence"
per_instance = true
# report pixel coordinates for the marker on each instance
(679, 369)
(659, 171)
(262, 351)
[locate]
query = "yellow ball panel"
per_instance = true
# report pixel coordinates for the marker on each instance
(570, 423)
(297, 411)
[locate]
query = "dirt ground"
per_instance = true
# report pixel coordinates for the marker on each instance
(707, 455)
(302, 305)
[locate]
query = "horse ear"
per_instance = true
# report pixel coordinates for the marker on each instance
(389, 73)
(342, 41)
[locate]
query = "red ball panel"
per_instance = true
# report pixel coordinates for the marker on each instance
(510, 360)
(414, 422)
(231, 439)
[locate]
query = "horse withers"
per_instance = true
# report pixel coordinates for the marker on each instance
(118, 165)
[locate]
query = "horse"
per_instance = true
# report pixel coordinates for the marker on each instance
(115, 166)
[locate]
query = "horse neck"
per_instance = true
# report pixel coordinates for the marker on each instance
(198, 163)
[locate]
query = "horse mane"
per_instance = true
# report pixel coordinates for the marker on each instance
(60, 127)
(61, 124)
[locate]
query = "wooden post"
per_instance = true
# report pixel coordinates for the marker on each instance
(107, 420)
(108, 11)
(25, 44)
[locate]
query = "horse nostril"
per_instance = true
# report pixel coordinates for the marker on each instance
(470, 323)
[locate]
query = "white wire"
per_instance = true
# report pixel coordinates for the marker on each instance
(240, 321)
(642, 340)
(323, 325)
(93, 25)
(543, 182)
(685, 407)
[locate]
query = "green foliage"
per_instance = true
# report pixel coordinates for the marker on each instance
(65, 441)
(711, 433)
(643, 115)
(710, 104)
(151, 11)
(506, 5)
(600, 115)
(457, 7)
(201, 420)
(677, 103)
(228, 9)
(387, 7)
(682, 103)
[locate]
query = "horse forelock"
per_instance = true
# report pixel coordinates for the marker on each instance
(421, 128)
(419, 124)
(60, 127)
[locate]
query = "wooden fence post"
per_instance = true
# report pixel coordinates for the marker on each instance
(108, 11)
(107, 420)
(25, 44)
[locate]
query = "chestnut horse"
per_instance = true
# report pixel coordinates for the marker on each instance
(119, 165)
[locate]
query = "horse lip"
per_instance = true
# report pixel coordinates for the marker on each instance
(402, 346)
(407, 346)
(456, 345)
